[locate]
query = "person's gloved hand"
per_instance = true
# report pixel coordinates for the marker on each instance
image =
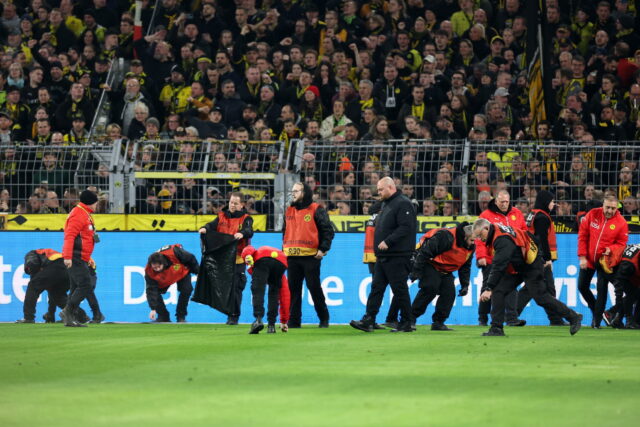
(463, 291)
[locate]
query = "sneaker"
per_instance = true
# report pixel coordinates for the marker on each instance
(81, 316)
(67, 318)
(49, 318)
(364, 325)
(494, 331)
(404, 327)
(323, 324)
(100, 318)
(607, 316)
(517, 322)
(437, 326)
(256, 326)
(25, 321)
(232, 320)
(617, 322)
(271, 328)
(576, 324)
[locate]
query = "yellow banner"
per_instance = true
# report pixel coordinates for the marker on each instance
(356, 223)
(119, 222)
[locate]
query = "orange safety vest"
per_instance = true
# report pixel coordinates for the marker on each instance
(50, 254)
(269, 252)
(231, 226)
(630, 253)
(551, 232)
(301, 235)
(521, 239)
(369, 256)
(171, 274)
(452, 259)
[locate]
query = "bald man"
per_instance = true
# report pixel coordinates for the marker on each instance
(394, 241)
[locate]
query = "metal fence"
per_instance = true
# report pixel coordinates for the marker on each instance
(447, 178)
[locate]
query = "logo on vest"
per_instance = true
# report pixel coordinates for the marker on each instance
(513, 217)
(612, 226)
(595, 225)
(176, 267)
(307, 218)
(274, 254)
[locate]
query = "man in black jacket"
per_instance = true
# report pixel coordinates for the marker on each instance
(541, 225)
(441, 253)
(307, 236)
(394, 242)
(515, 260)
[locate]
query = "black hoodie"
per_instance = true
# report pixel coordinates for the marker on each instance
(325, 229)
(541, 222)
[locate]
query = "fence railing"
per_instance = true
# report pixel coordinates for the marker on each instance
(442, 178)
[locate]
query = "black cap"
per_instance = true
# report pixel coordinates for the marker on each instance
(178, 69)
(55, 64)
(77, 116)
(88, 197)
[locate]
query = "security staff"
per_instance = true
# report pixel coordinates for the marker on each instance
(235, 220)
(394, 242)
(48, 273)
(170, 264)
(541, 225)
(601, 232)
(369, 255)
(442, 251)
(624, 265)
(267, 265)
(500, 212)
(515, 259)
(79, 240)
(307, 237)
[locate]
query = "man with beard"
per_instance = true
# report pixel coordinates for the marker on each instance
(124, 104)
(234, 220)
(307, 236)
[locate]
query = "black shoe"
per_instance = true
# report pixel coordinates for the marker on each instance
(494, 331)
(517, 322)
(49, 318)
(633, 325)
(378, 326)
(617, 322)
(576, 324)
(391, 324)
(608, 316)
(99, 318)
(271, 328)
(595, 325)
(232, 320)
(404, 327)
(256, 326)
(81, 316)
(440, 327)
(363, 325)
(68, 318)
(483, 320)
(181, 319)
(558, 323)
(323, 324)
(25, 321)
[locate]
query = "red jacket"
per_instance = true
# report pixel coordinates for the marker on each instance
(269, 252)
(513, 218)
(597, 233)
(78, 234)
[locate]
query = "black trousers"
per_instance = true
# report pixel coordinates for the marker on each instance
(54, 279)
(81, 283)
(435, 283)
(240, 282)
(393, 271)
(266, 271)
(305, 268)
(524, 296)
(596, 304)
(185, 288)
(511, 301)
(533, 278)
(625, 304)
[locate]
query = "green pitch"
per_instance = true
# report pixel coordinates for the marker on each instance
(183, 375)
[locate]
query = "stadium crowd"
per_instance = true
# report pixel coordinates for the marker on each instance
(425, 73)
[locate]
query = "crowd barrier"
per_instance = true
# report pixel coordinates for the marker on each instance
(345, 278)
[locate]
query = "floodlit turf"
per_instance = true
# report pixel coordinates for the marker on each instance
(182, 375)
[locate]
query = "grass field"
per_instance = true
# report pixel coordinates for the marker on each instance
(182, 375)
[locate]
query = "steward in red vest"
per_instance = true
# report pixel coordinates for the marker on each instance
(307, 236)
(267, 265)
(235, 220)
(170, 264)
(624, 264)
(542, 227)
(442, 251)
(516, 259)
